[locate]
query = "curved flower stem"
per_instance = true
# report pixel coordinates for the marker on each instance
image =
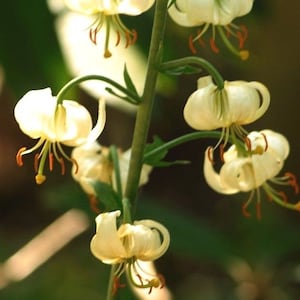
(115, 159)
(181, 140)
(133, 98)
(109, 295)
(198, 61)
(145, 108)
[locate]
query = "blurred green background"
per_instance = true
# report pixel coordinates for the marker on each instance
(215, 253)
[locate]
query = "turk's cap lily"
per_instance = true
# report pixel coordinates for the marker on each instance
(68, 123)
(111, 7)
(191, 13)
(239, 173)
(218, 14)
(107, 14)
(238, 103)
(255, 168)
(145, 240)
(94, 164)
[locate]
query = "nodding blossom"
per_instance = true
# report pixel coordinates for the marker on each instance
(95, 164)
(127, 244)
(238, 103)
(216, 14)
(106, 14)
(252, 169)
(54, 124)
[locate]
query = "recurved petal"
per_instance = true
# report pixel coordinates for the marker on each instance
(106, 244)
(85, 6)
(240, 174)
(77, 125)
(159, 239)
(213, 179)
(201, 109)
(34, 111)
(134, 7)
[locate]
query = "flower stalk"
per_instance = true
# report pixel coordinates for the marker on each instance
(145, 108)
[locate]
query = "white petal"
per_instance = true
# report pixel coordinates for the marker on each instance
(97, 130)
(197, 12)
(78, 125)
(247, 101)
(159, 240)
(200, 109)
(106, 244)
(83, 58)
(34, 111)
(213, 179)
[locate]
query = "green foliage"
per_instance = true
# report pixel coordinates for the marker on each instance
(156, 160)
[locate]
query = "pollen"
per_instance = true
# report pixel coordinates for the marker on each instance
(40, 178)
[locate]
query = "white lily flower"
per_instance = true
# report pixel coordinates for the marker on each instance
(144, 240)
(94, 164)
(252, 169)
(218, 14)
(238, 103)
(40, 117)
(107, 14)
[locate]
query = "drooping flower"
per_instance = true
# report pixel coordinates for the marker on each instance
(217, 14)
(68, 123)
(238, 103)
(126, 245)
(253, 169)
(95, 164)
(107, 15)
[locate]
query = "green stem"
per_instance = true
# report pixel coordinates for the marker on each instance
(132, 97)
(181, 140)
(144, 111)
(109, 295)
(198, 61)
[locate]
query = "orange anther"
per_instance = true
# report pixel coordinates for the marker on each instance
(93, 35)
(36, 162)
(293, 181)
(210, 155)
(63, 167)
(213, 45)
(118, 38)
(258, 210)
(245, 212)
(191, 45)
(51, 160)
(19, 158)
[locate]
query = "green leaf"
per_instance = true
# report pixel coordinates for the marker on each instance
(156, 160)
(128, 81)
(127, 99)
(186, 69)
(109, 199)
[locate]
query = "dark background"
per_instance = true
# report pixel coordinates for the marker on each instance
(207, 229)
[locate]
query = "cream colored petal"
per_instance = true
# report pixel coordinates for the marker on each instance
(213, 179)
(97, 130)
(160, 240)
(200, 109)
(106, 244)
(134, 7)
(86, 6)
(34, 111)
(197, 12)
(84, 58)
(77, 125)
(277, 143)
(241, 175)
(247, 101)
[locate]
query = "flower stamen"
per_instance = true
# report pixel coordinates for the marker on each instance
(19, 156)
